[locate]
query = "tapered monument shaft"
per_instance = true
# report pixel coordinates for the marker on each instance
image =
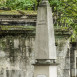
(45, 40)
(45, 49)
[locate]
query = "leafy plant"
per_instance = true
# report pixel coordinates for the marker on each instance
(64, 11)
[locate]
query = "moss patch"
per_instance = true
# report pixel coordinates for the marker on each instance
(12, 12)
(17, 27)
(29, 12)
(15, 12)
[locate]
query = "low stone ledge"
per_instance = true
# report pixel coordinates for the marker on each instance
(45, 62)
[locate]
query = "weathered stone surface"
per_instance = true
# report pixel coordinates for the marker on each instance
(45, 41)
(16, 56)
(22, 58)
(17, 53)
(63, 57)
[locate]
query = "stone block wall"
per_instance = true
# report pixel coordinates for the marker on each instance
(16, 56)
(63, 57)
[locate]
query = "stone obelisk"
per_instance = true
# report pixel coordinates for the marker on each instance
(45, 49)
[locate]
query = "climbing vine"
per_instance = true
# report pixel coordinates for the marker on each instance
(65, 14)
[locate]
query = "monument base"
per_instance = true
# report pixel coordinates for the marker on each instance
(45, 68)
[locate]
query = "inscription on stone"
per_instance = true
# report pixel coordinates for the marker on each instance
(41, 22)
(41, 75)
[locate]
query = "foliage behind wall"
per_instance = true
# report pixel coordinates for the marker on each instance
(64, 11)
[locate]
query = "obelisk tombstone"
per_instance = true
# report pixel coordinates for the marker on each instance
(45, 49)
